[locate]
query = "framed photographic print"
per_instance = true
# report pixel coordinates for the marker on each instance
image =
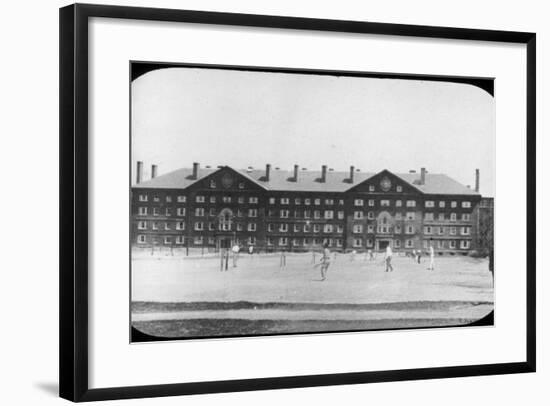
(242, 192)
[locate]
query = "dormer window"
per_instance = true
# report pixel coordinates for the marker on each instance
(212, 184)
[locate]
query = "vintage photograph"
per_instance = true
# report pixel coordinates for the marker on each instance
(269, 201)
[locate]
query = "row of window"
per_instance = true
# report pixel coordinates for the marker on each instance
(307, 242)
(308, 201)
(306, 228)
(200, 199)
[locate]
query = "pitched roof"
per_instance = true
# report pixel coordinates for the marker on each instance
(308, 181)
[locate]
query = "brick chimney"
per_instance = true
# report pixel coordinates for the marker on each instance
(477, 180)
(422, 176)
(267, 172)
(296, 167)
(351, 170)
(323, 174)
(196, 167)
(153, 171)
(139, 171)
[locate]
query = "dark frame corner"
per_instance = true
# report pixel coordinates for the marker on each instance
(73, 147)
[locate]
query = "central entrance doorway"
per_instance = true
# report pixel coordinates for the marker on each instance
(382, 244)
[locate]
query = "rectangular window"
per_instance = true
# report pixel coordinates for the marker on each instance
(358, 202)
(180, 225)
(411, 203)
(453, 205)
(465, 216)
(427, 230)
(181, 199)
(357, 242)
(181, 211)
(384, 203)
(371, 202)
(440, 244)
(409, 243)
(397, 243)
(283, 241)
(398, 203)
(198, 240)
(370, 228)
(269, 241)
(285, 200)
(252, 240)
(199, 226)
(156, 211)
(307, 214)
(271, 200)
(179, 239)
(441, 204)
(317, 202)
(283, 227)
(226, 199)
(429, 216)
(441, 230)
(465, 230)
(329, 202)
(397, 229)
(253, 200)
(441, 216)
(466, 205)
(240, 199)
(370, 242)
(464, 244)
(370, 215)
(142, 198)
(252, 212)
(167, 226)
(283, 214)
(307, 202)
(327, 228)
(239, 227)
(142, 225)
(212, 199)
(453, 216)
(329, 214)
(317, 214)
(429, 203)
(156, 198)
(211, 226)
(199, 199)
(295, 242)
(399, 188)
(212, 184)
(212, 212)
(339, 228)
(270, 227)
(340, 215)
(297, 201)
(251, 226)
(199, 212)
(296, 228)
(155, 226)
(307, 228)
(142, 211)
(357, 228)
(371, 188)
(341, 202)
(241, 185)
(409, 230)
(338, 242)
(452, 244)
(410, 215)
(452, 231)
(168, 211)
(168, 199)
(239, 213)
(167, 240)
(316, 228)
(357, 215)
(398, 216)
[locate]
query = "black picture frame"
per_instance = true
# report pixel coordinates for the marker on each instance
(73, 378)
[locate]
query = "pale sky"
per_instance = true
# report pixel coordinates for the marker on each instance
(244, 118)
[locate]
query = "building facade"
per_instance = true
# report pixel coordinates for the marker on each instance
(299, 210)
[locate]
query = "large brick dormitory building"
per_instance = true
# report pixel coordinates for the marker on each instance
(299, 210)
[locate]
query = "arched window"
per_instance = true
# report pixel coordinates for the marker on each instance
(225, 220)
(384, 223)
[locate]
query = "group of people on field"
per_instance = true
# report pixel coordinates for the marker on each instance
(388, 255)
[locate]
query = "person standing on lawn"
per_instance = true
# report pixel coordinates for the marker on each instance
(325, 261)
(389, 254)
(432, 255)
(235, 251)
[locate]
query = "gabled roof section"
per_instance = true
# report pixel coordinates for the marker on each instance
(308, 181)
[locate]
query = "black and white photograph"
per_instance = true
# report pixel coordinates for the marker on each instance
(271, 201)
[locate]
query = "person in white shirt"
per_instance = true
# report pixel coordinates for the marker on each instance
(432, 255)
(325, 261)
(235, 251)
(389, 254)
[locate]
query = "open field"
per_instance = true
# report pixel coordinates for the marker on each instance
(189, 296)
